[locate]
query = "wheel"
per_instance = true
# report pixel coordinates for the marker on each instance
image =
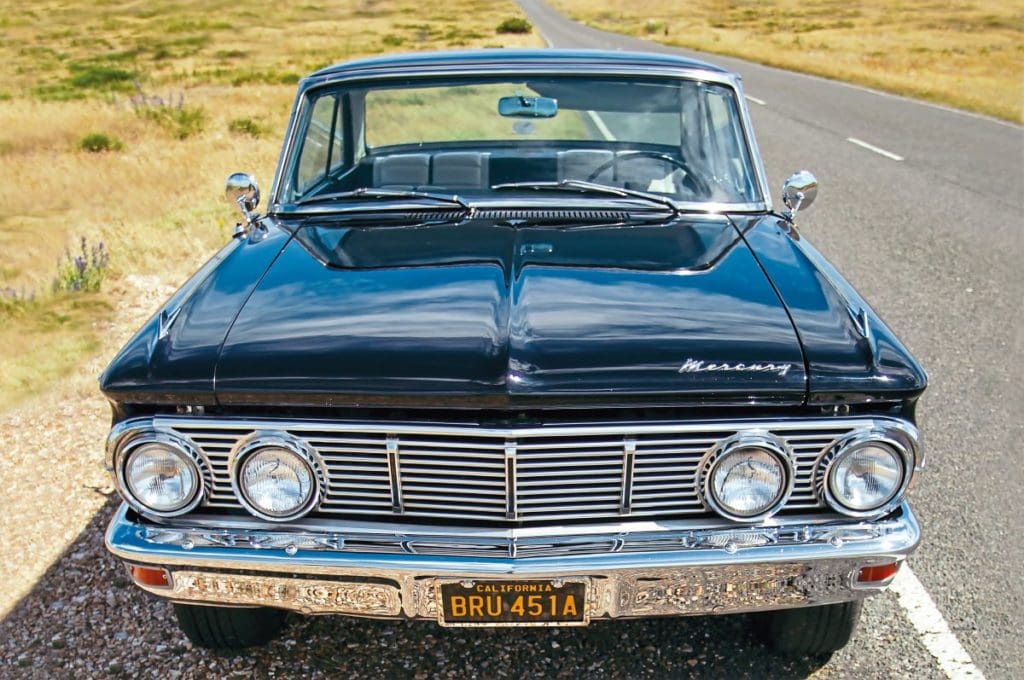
(810, 631)
(229, 627)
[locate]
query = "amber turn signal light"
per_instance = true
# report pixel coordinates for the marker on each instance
(881, 572)
(146, 576)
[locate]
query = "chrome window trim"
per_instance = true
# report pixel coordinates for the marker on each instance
(731, 80)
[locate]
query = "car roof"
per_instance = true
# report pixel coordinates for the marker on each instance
(500, 59)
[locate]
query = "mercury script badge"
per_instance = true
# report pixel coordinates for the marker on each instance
(694, 366)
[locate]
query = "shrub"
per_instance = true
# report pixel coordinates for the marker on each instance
(514, 25)
(246, 126)
(83, 272)
(265, 77)
(170, 113)
(392, 40)
(651, 27)
(100, 77)
(97, 142)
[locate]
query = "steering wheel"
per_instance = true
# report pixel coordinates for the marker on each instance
(698, 183)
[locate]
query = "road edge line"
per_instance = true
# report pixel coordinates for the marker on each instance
(932, 629)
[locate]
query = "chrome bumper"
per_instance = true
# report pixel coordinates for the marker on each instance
(632, 570)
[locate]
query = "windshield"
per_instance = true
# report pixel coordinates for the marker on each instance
(469, 136)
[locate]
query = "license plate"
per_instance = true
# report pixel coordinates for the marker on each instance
(513, 603)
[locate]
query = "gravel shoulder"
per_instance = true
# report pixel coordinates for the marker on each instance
(52, 463)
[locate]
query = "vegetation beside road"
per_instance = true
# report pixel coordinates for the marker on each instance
(120, 121)
(967, 54)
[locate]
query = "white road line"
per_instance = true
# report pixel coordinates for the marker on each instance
(601, 127)
(872, 147)
(755, 100)
(933, 630)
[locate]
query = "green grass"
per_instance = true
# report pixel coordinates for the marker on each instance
(44, 340)
(181, 121)
(246, 126)
(97, 142)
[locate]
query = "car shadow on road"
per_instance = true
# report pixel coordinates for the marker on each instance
(85, 618)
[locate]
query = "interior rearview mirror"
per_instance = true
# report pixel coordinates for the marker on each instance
(521, 106)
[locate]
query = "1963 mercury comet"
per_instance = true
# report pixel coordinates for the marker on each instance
(519, 341)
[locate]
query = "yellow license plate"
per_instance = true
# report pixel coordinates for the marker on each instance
(554, 602)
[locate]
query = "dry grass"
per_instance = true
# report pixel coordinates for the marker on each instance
(69, 70)
(968, 54)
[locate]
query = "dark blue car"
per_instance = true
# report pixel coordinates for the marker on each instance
(521, 340)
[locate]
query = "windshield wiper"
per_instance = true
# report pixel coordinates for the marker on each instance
(368, 192)
(592, 188)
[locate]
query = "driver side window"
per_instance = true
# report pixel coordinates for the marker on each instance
(323, 146)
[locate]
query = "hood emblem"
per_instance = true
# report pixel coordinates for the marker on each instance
(694, 366)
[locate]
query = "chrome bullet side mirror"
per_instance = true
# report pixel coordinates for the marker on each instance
(242, 190)
(799, 192)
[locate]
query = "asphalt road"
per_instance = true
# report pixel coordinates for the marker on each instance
(934, 241)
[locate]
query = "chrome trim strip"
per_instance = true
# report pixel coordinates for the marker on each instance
(384, 427)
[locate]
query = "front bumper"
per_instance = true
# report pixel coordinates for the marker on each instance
(635, 570)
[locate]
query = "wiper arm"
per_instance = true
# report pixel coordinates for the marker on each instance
(368, 192)
(591, 187)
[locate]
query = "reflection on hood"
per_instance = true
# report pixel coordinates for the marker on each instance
(682, 244)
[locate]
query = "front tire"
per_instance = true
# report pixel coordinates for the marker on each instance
(810, 631)
(229, 627)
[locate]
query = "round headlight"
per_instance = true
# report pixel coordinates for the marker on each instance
(162, 478)
(865, 476)
(276, 483)
(748, 482)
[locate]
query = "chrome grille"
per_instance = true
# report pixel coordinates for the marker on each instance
(382, 471)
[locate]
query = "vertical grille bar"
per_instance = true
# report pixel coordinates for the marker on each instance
(511, 508)
(395, 475)
(628, 460)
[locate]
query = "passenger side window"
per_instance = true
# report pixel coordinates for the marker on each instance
(323, 146)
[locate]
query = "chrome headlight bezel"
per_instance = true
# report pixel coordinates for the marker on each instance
(732, 446)
(846, 446)
(178, 446)
(258, 441)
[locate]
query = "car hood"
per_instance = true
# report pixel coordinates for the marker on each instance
(489, 312)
